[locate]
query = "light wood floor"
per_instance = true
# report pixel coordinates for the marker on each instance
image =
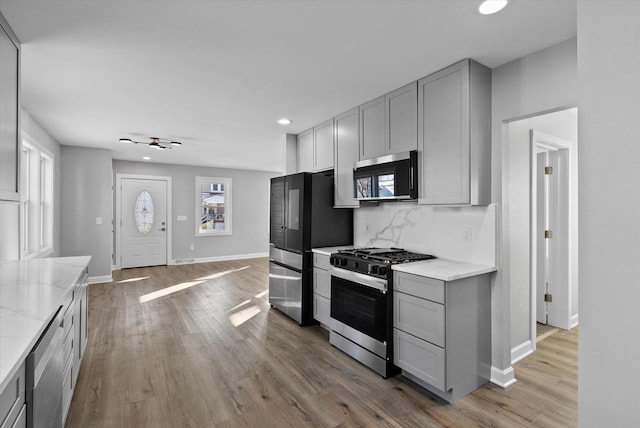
(199, 346)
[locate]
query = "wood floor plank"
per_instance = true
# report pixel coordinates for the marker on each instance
(199, 346)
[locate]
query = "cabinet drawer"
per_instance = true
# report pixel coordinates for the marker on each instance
(12, 399)
(419, 317)
(420, 358)
(322, 283)
(322, 309)
(419, 286)
(67, 388)
(321, 261)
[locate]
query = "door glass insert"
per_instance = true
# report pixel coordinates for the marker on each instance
(144, 212)
(293, 220)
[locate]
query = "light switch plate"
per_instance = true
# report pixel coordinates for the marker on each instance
(98, 220)
(181, 218)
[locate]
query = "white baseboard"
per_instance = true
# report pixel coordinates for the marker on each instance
(503, 378)
(100, 279)
(521, 351)
(189, 261)
(573, 322)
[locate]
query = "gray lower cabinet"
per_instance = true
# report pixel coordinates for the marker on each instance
(321, 290)
(442, 332)
(454, 135)
(12, 401)
(345, 149)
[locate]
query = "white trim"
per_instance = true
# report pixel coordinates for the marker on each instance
(190, 261)
(100, 279)
(522, 350)
(503, 378)
(573, 322)
(118, 226)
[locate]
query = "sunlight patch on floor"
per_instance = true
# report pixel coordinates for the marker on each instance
(238, 306)
(261, 294)
(240, 317)
(133, 279)
(168, 290)
(220, 274)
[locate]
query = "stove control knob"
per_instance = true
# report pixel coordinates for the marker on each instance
(343, 262)
(355, 265)
(382, 270)
(333, 261)
(375, 269)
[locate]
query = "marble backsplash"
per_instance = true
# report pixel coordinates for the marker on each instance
(459, 233)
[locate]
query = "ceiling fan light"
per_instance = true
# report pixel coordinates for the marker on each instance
(489, 7)
(176, 143)
(125, 140)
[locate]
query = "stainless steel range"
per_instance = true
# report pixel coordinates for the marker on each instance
(362, 304)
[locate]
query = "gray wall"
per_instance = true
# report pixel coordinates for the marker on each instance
(250, 193)
(543, 81)
(9, 212)
(609, 355)
(86, 195)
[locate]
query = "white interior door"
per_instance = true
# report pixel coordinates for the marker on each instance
(143, 222)
(552, 267)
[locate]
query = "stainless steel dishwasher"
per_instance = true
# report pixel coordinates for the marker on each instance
(44, 374)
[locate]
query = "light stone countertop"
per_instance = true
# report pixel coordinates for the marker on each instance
(328, 250)
(443, 269)
(30, 293)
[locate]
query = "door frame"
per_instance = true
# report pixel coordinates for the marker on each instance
(540, 140)
(118, 214)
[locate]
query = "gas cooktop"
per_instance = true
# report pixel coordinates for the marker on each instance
(374, 261)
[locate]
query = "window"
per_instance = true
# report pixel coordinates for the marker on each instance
(213, 206)
(36, 201)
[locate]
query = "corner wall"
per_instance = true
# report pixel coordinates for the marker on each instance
(609, 354)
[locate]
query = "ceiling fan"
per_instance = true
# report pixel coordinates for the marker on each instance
(155, 143)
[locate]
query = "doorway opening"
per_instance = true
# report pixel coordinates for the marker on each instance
(537, 262)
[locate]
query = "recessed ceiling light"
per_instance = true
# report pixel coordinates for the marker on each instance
(488, 7)
(146, 158)
(284, 121)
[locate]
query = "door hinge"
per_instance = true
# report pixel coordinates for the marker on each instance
(548, 170)
(548, 298)
(548, 234)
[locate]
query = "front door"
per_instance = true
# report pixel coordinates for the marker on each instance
(143, 222)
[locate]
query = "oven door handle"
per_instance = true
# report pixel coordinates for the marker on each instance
(358, 278)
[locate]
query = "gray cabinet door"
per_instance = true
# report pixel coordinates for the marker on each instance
(372, 129)
(323, 146)
(9, 112)
(305, 151)
(346, 145)
(402, 116)
(443, 135)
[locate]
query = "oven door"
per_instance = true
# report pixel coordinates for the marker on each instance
(360, 307)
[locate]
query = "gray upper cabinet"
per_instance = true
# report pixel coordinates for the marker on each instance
(346, 145)
(9, 113)
(323, 146)
(401, 114)
(372, 133)
(315, 148)
(388, 124)
(454, 135)
(305, 151)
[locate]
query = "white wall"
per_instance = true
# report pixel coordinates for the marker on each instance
(540, 82)
(609, 353)
(562, 124)
(250, 210)
(432, 230)
(86, 195)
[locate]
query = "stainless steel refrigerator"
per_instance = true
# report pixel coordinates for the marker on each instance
(302, 217)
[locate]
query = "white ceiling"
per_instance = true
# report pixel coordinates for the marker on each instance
(216, 75)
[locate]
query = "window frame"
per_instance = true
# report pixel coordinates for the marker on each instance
(227, 182)
(36, 211)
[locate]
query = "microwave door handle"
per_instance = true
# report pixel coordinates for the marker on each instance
(411, 178)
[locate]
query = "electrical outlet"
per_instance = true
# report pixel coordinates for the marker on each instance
(466, 234)
(192, 247)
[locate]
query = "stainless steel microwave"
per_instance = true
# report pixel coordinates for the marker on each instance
(391, 177)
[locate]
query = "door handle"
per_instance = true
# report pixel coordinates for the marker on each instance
(163, 229)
